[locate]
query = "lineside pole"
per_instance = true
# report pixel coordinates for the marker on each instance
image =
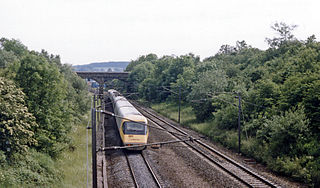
(179, 104)
(94, 101)
(239, 125)
(94, 142)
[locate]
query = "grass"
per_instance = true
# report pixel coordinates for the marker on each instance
(73, 163)
(187, 116)
(170, 110)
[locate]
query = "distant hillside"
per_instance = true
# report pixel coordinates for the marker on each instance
(118, 66)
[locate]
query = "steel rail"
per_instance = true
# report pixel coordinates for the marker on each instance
(131, 171)
(151, 171)
(245, 169)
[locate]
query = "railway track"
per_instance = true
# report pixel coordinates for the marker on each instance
(139, 168)
(230, 166)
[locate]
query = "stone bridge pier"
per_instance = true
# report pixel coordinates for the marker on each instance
(103, 77)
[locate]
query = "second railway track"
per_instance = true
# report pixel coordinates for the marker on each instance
(230, 166)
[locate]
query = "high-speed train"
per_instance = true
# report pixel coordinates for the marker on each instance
(132, 125)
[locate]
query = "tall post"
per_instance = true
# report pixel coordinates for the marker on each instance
(179, 108)
(94, 101)
(101, 87)
(94, 154)
(239, 126)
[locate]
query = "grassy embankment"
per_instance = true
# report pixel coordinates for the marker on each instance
(187, 117)
(227, 138)
(73, 163)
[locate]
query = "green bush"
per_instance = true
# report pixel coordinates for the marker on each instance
(313, 167)
(285, 134)
(293, 167)
(232, 139)
(29, 170)
(226, 118)
(249, 147)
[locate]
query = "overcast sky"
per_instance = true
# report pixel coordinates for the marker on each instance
(85, 31)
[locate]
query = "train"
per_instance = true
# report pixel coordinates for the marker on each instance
(132, 125)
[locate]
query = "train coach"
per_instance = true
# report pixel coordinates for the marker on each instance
(132, 125)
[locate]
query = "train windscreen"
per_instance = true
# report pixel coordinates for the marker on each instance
(134, 128)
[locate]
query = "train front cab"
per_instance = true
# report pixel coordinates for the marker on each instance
(134, 133)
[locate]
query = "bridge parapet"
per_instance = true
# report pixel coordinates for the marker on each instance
(102, 77)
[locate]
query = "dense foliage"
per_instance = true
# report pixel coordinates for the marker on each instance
(17, 124)
(279, 88)
(40, 101)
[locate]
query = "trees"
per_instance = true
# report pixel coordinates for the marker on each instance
(285, 34)
(39, 102)
(16, 122)
(44, 86)
(227, 49)
(14, 46)
(209, 82)
(77, 98)
(141, 72)
(178, 65)
(311, 103)
(6, 57)
(160, 73)
(149, 57)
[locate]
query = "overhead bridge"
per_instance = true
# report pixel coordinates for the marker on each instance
(102, 77)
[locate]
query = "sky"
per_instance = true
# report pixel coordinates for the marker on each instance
(86, 31)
